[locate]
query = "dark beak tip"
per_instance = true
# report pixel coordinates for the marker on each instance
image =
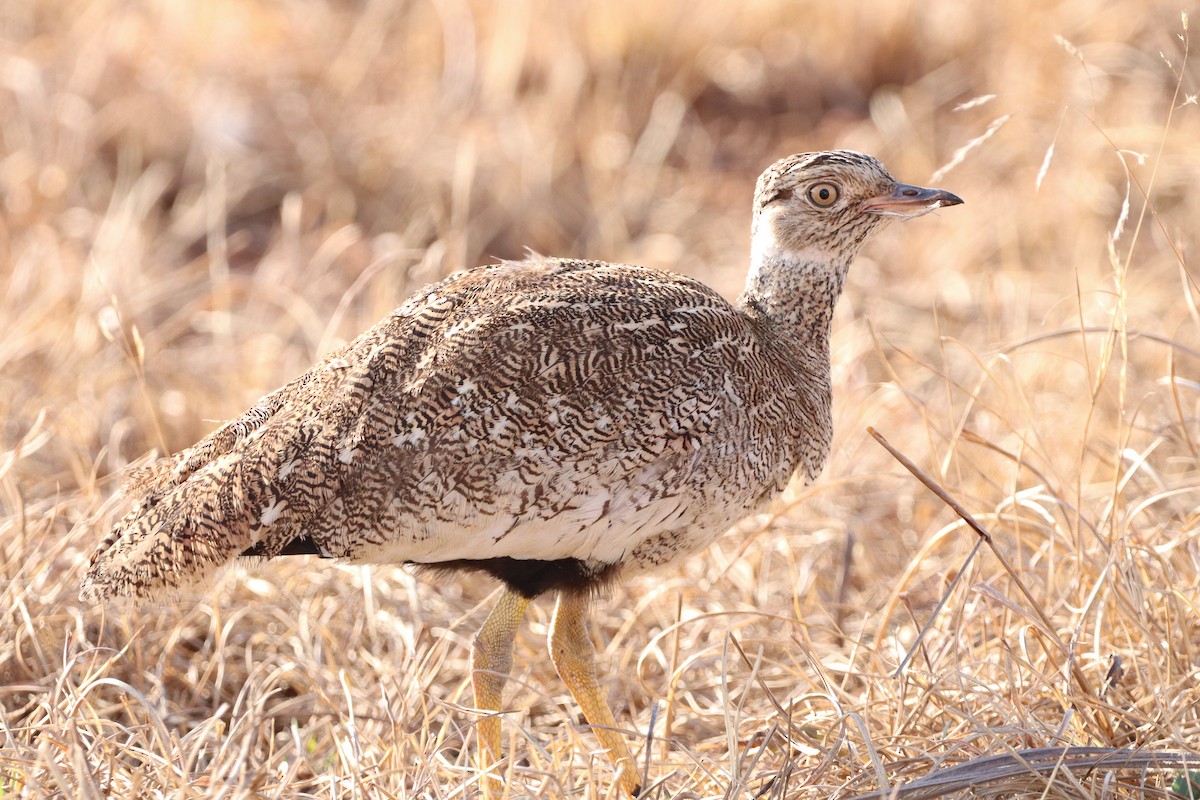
(949, 199)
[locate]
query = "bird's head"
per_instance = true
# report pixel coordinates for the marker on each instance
(821, 207)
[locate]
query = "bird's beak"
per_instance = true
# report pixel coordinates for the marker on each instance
(910, 201)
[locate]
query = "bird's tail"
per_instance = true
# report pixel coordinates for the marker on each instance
(192, 515)
(172, 540)
(262, 474)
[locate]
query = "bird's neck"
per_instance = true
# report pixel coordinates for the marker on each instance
(796, 290)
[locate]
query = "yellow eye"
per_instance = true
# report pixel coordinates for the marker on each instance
(823, 194)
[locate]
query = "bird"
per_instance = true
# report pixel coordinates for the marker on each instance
(553, 423)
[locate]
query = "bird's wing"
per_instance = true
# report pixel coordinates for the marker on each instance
(488, 398)
(582, 398)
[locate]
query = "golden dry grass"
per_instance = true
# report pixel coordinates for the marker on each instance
(199, 199)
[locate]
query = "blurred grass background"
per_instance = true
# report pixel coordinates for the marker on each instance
(201, 199)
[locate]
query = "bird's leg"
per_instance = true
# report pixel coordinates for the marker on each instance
(491, 659)
(575, 659)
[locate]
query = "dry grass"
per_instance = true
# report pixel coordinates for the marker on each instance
(201, 198)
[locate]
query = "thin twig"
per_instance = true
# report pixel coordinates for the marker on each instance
(983, 533)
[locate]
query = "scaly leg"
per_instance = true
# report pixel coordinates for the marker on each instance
(491, 660)
(575, 659)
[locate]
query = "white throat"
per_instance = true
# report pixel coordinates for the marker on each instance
(768, 258)
(796, 287)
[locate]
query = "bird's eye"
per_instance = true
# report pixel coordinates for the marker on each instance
(823, 194)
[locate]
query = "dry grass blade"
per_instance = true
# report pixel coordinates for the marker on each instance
(1132, 335)
(983, 774)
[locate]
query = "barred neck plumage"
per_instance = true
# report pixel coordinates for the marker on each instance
(796, 290)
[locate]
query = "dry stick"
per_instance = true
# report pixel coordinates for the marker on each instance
(983, 533)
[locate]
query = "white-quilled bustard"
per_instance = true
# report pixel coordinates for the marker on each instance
(553, 423)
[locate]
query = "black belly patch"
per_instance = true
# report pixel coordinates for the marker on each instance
(300, 546)
(527, 577)
(530, 577)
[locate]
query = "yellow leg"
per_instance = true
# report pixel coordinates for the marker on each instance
(491, 660)
(575, 659)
